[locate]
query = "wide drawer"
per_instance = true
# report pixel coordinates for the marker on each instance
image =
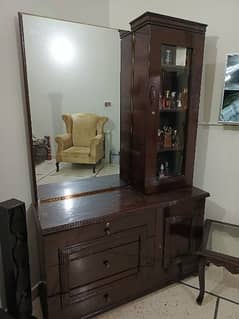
(104, 229)
(83, 265)
(89, 263)
(94, 301)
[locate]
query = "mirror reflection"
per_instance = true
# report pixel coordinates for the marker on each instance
(73, 73)
(229, 112)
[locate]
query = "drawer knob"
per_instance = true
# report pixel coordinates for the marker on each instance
(107, 229)
(107, 264)
(107, 297)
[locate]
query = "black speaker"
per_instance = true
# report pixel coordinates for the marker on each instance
(15, 258)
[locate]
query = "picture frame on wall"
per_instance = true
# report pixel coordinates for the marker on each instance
(229, 109)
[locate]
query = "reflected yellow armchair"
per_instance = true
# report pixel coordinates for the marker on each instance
(83, 141)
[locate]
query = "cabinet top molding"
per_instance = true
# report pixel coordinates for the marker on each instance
(150, 18)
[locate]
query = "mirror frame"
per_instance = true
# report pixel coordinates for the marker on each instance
(27, 95)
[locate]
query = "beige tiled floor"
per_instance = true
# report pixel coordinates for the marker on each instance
(176, 301)
(179, 300)
(227, 310)
(220, 282)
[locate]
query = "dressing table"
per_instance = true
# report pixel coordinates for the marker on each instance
(106, 240)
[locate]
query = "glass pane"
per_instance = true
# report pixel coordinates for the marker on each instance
(173, 110)
(224, 239)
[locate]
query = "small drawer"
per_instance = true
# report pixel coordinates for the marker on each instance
(105, 229)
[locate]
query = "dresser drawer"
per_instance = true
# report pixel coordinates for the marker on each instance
(91, 262)
(104, 229)
(94, 301)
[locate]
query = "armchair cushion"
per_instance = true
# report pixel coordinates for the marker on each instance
(77, 150)
(83, 129)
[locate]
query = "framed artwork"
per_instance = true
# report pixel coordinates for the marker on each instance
(229, 110)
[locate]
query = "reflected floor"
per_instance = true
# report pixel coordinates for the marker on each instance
(46, 172)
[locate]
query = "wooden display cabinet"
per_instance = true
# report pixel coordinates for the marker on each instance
(160, 89)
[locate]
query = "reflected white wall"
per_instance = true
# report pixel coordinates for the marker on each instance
(71, 68)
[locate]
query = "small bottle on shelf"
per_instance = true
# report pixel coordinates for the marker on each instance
(168, 100)
(173, 100)
(161, 170)
(168, 137)
(179, 100)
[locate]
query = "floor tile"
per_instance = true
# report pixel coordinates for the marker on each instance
(176, 301)
(220, 282)
(227, 310)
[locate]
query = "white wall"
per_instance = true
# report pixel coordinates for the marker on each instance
(14, 164)
(71, 68)
(217, 156)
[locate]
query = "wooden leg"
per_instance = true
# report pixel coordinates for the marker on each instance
(201, 280)
(94, 169)
(57, 166)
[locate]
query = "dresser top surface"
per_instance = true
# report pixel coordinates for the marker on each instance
(89, 203)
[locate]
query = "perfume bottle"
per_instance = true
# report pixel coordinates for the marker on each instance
(179, 100)
(173, 99)
(161, 170)
(174, 138)
(168, 101)
(168, 137)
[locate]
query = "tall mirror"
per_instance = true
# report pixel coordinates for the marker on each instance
(73, 88)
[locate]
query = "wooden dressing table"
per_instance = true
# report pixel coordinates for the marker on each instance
(103, 243)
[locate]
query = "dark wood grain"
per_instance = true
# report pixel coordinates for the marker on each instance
(82, 211)
(87, 185)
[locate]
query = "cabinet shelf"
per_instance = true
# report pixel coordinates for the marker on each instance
(170, 149)
(176, 110)
(174, 68)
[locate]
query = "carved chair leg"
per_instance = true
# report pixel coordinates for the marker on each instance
(57, 166)
(200, 297)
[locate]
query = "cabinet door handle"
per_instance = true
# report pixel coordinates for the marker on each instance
(153, 113)
(107, 264)
(107, 229)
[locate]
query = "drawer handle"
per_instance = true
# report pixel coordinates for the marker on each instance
(107, 297)
(107, 264)
(107, 229)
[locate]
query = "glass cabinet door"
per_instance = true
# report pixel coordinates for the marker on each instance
(173, 111)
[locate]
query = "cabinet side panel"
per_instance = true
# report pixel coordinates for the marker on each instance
(125, 106)
(140, 100)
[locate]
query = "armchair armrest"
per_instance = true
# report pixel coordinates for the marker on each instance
(95, 141)
(64, 141)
